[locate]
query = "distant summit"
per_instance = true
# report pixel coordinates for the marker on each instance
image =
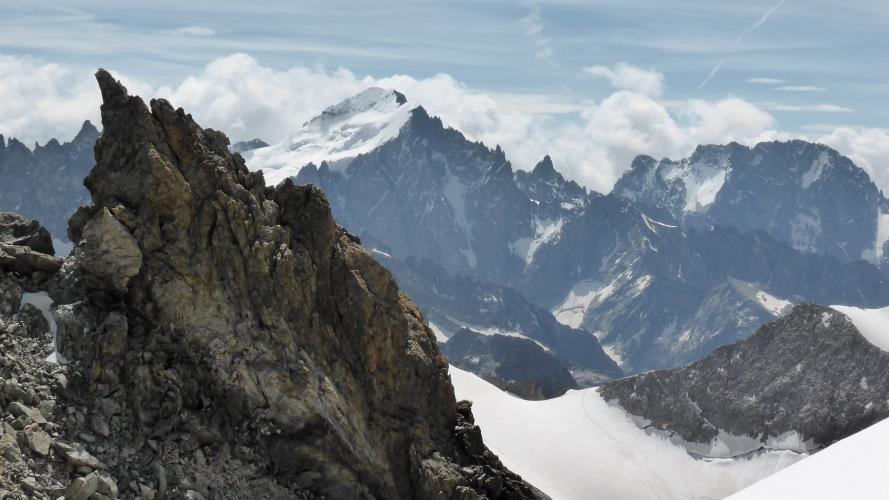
(244, 146)
(799, 192)
(341, 132)
(46, 182)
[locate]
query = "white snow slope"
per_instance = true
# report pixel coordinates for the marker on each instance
(579, 447)
(341, 132)
(853, 468)
(872, 323)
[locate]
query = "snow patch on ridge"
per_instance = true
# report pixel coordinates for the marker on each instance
(773, 304)
(881, 237)
(816, 169)
(492, 330)
(355, 126)
(43, 303)
(584, 295)
(702, 181)
(873, 324)
(545, 231)
(439, 333)
(653, 224)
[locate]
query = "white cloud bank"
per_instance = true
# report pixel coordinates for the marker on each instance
(625, 76)
(594, 144)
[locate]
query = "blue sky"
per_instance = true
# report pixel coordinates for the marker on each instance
(824, 52)
(812, 65)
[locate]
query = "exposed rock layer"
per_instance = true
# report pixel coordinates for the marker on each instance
(810, 372)
(209, 313)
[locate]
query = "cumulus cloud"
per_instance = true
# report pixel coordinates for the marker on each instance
(627, 124)
(41, 101)
(625, 76)
(193, 31)
(591, 142)
(867, 147)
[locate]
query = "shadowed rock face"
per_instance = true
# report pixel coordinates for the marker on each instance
(26, 248)
(206, 303)
(517, 365)
(811, 372)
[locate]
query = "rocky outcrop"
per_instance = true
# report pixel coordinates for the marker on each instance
(26, 250)
(32, 423)
(810, 372)
(514, 364)
(232, 341)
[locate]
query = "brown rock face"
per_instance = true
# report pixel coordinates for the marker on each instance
(241, 316)
(26, 251)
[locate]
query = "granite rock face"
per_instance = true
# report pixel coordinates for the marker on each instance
(202, 306)
(799, 192)
(810, 372)
(26, 249)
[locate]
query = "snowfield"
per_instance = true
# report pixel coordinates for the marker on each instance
(873, 324)
(577, 446)
(355, 126)
(853, 468)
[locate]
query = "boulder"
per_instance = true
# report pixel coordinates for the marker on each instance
(20, 231)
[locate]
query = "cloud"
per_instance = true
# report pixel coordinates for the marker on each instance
(759, 22)
(867, 147)
(712, 73)
(532, 24)
(765, 81)
(625, 76)
(809, 108)
(591, 142)
(193, 31)
(42, 100)
(800, 88)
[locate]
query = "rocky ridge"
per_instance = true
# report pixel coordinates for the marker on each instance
(656, 290)
(799, 192)
(46, 182)
(229, 340)
(810, 372)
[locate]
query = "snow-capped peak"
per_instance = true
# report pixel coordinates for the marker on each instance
(373, 99)
(341, 132)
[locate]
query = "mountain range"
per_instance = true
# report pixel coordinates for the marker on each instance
(656, 289)
(678, 260)
(209, 311)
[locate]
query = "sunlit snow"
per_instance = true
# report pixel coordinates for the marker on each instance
(341, 132)
(43, 302)
(577, 446)
(872, 323)
(853, 468)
